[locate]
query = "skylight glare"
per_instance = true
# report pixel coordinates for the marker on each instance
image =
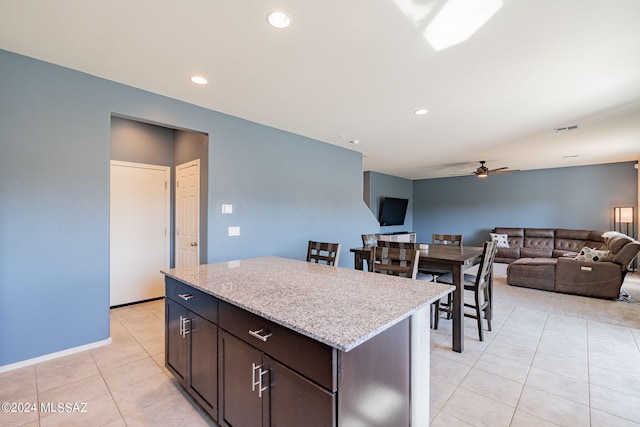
(458, 20)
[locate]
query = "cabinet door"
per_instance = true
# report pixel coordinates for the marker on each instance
(203, 366)
(296, 401)
(240, 404)
(175, 342)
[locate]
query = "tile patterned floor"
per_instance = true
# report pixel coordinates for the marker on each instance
(533, 369)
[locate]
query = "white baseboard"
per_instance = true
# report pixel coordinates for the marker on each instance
(55, 355)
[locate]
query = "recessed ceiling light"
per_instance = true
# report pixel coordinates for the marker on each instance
(354, 141)
(421, 112)
(199, 80)
(278, 19)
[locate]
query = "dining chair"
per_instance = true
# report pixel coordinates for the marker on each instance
(394, 261)
(446, 239)
(370, 239)
(442, 239)
(398, 245)
(322, 252)
(480, 285)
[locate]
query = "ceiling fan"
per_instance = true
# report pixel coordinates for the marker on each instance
(483, 171)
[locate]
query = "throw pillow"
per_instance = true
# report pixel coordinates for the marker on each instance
(593, 255)
(502, 240)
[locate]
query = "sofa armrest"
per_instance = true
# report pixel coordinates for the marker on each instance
(594, 279)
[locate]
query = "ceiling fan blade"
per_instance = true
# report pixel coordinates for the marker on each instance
(499, 169)
(505, 172)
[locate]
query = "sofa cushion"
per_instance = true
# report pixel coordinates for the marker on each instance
(540, 232)
(617, 243)
(626, 254)
(557, 253)
(537, 273)
(593, 255)
(563, 233)
(536, 252)
(570, 245)
(540, 239)
(516, 235)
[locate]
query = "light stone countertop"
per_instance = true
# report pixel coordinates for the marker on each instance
(337, 306)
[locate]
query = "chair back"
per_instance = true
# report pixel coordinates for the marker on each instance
(370, 239)
(398, 245)
(486, 264)
(321, 252)
(394, 261)
(446, 239)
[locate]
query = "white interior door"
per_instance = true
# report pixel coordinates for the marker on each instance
(187, 239)
(139, 225)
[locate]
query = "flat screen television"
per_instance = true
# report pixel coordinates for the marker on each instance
(393, 211)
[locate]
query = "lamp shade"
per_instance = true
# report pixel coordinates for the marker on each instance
(626, 215)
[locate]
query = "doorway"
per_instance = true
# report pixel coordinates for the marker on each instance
(139, 231)
(136, 141)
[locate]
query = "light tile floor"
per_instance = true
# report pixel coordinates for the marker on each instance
(533, 369)
(123, 384)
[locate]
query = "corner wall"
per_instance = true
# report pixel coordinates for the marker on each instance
(378, 186)
(581, 197)
(54, 197)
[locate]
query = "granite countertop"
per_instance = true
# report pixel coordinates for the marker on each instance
(337, 306)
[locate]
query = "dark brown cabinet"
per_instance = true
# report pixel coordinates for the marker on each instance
(256, 390)
(191, 350)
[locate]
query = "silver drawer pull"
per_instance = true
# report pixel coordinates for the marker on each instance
(185, 297)
(256, 334)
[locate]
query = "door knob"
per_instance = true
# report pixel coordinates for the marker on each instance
(194, 243)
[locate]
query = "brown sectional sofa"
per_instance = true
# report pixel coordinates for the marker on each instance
(544, 258)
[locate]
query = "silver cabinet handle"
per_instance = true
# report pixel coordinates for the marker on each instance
(257, 380)
(261, 389)
(187, 329)
(185, 297)
(256, 334)
(183, 326)
(254, 383)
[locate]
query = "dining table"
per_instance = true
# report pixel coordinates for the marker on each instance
(454, 259)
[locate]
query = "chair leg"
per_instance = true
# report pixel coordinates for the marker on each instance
(435, 311)
(450, 306)
(479, 316)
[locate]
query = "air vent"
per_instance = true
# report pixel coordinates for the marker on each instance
(566, 129)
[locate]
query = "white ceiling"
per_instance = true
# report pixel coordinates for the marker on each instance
(357, 69)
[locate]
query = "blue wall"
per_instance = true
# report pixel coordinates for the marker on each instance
(580, 197)
(378, 186)
(54, 197)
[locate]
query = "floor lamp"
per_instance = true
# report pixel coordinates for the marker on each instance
(624, 221)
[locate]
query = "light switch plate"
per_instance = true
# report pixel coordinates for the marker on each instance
(234, 231)
(227, 209)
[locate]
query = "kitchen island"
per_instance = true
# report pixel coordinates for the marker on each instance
(270, 340)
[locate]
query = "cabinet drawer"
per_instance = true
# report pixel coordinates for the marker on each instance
(310, 358)
(202, 304)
